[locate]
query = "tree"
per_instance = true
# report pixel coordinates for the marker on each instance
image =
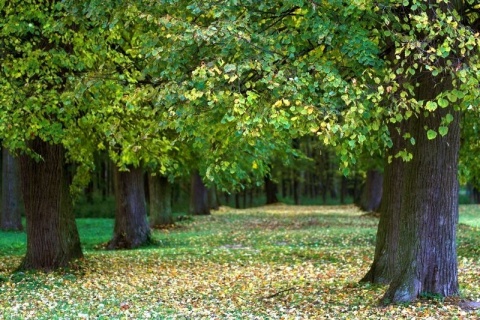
(39, 60)
(198, 195)
(271, 189)
(372, 191)
(11, 214)
(160, 190)
(52, 236)
(131, 227)
(385, 262)
(418, 228)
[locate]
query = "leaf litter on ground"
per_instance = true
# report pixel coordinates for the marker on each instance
(272, 262)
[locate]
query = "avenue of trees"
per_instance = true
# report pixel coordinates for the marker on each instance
(222, 91)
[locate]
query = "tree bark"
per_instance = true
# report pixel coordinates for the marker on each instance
(429, 215)
(270, 190)
(160, 191)
(416, 240)
(213, 202)
(131, 227)
(198, 196)
(11, 214)
(372, 191)
(52, 236)
(385, 263)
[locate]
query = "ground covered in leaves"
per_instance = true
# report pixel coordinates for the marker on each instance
(275, 262)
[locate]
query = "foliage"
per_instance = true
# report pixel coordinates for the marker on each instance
(269, 263)
(147, 80)
(422, 40)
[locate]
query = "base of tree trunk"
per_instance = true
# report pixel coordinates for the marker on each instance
(52, 237)
(131, 226)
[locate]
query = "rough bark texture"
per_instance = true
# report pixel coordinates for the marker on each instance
(372, 191)
(385, 263)
(421, 257)
(131, 226)
(198, 196)
(416, 240)
(11, 214)
(429, 215)
(160, 201)
(52, 236)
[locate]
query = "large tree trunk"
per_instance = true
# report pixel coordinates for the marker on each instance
(160, 201)
(52, 236)
(385, 263)
(131, 226)
(198, 196)
(10, 216)
(416, 243)
(372, 191)
(426, 207)
(429, 214)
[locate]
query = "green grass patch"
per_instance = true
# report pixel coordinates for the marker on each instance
(271, 262)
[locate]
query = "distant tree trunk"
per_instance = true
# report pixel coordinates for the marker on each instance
(198, 196)
(237, 200)
(89, 190)
(474, 194)
(285, 183)
(52, 236)
(160, 198)
(131, 226)
(213, 202)
(343, 190)
(372, 191)
(227, 198)
(270, 190)
(11, 215)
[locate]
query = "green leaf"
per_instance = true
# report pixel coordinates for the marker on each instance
(229, 68)
(431, 134)
(443, 102)
(431, 106)
(443, 130)
(448, 118)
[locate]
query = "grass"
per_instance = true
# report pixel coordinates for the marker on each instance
(274, 262)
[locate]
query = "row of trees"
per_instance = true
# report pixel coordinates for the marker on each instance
(225, 88)
(315, 179)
